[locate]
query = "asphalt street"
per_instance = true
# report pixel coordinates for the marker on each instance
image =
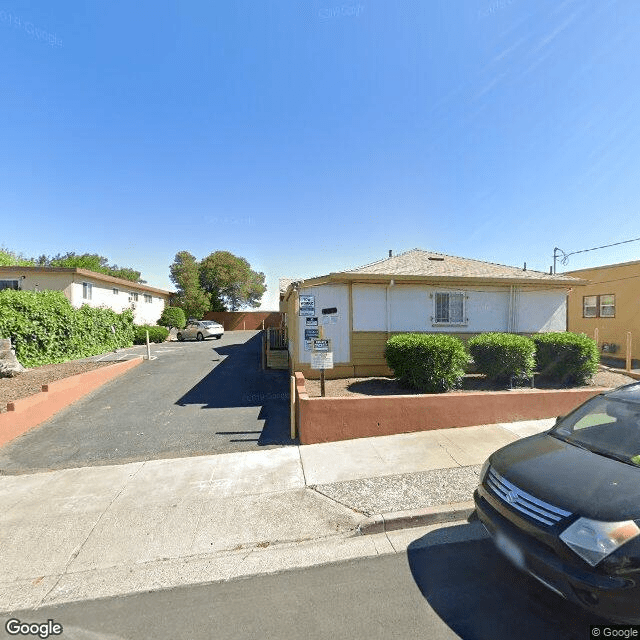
(437, 590)
(192, 399)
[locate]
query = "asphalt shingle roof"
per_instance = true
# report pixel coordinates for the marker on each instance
(417, 262)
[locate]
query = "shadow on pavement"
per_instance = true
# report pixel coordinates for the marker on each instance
(478, 594)
(239, 381)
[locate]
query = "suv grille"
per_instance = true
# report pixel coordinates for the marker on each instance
(524, 502)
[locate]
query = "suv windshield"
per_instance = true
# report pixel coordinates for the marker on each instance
(606, 426)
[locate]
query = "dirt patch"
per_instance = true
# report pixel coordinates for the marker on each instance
(473, 382)
(30, 382)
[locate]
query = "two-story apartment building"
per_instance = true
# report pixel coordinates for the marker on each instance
(608, 308)
(88, 287)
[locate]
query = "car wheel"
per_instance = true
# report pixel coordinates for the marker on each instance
(180, 337)
(200, 337)
(218, 337)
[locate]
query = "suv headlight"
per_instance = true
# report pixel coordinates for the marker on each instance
(593, 540)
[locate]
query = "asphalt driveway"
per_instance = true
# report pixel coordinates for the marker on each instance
(194, 398)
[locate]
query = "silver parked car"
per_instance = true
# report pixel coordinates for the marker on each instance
(200, 330)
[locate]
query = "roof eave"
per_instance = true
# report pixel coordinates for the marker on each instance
(89, 274)
(383, 278)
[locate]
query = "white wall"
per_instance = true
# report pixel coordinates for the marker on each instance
(329, 296)
(542, 311)
(102, 295)
(487, 309)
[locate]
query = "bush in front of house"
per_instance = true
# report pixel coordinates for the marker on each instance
(501, 356)
(570, 358)
(156, 333)
(45, 329)
(173, 317)
(432, 363)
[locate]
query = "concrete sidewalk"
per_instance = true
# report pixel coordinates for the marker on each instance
(79, 534)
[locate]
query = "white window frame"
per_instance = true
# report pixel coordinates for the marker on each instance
(590, 303)
(596, 306)
(603, 306)
(134, 296)
(87, 291)
(148, 297)
(446, 323)
(116, 291)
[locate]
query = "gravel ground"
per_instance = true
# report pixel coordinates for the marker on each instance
(389, 386)
(30, 382)
(405, 491)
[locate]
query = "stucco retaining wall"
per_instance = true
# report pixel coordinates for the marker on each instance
(27, 413)
(331, 419)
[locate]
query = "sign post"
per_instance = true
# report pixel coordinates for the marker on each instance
(322, 358)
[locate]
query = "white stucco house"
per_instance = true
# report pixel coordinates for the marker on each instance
(416, 291)
(88, 287)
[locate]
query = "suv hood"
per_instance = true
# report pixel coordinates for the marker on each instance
(571, 478)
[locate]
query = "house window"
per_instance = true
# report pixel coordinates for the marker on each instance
(603, 306)
(87, 290)
(608, 306)
(134, 297)
(449, 308)
(590, 307)
(9, 284)
(115, 291)
(148, 298)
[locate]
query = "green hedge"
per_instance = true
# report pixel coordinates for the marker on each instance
(432, 363)
(570, 358)
(501, 356)
(173, 317)
(46, 329)
(156, 334)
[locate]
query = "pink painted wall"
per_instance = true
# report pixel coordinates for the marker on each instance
(331, 419)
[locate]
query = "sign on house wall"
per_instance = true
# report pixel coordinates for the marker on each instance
(307, 305)
(327, 296)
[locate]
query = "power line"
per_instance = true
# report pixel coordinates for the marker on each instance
(565, 256)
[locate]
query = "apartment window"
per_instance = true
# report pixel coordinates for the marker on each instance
(87, 290)
(603, 306)
(9, 284)
(608, 306)
(449, 308)
(115, 291)
(148, 298)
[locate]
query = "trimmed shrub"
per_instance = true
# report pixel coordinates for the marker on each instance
(501, 356)
(156, 333)
(432, 363)
(571, 358)
(173, 317)
(45, 329)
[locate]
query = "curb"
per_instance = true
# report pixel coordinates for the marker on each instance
(384, 522)
(624, 372)
(27, 413)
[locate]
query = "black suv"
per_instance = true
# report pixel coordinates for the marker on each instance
(564, 505)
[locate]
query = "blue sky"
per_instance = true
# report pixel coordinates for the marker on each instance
(311, 136)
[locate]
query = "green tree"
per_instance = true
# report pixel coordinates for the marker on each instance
(91, 262)
(11, 259)
(173, 317)
(191, 297)
(229, 279)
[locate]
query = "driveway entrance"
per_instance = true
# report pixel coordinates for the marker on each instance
(194, 398)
